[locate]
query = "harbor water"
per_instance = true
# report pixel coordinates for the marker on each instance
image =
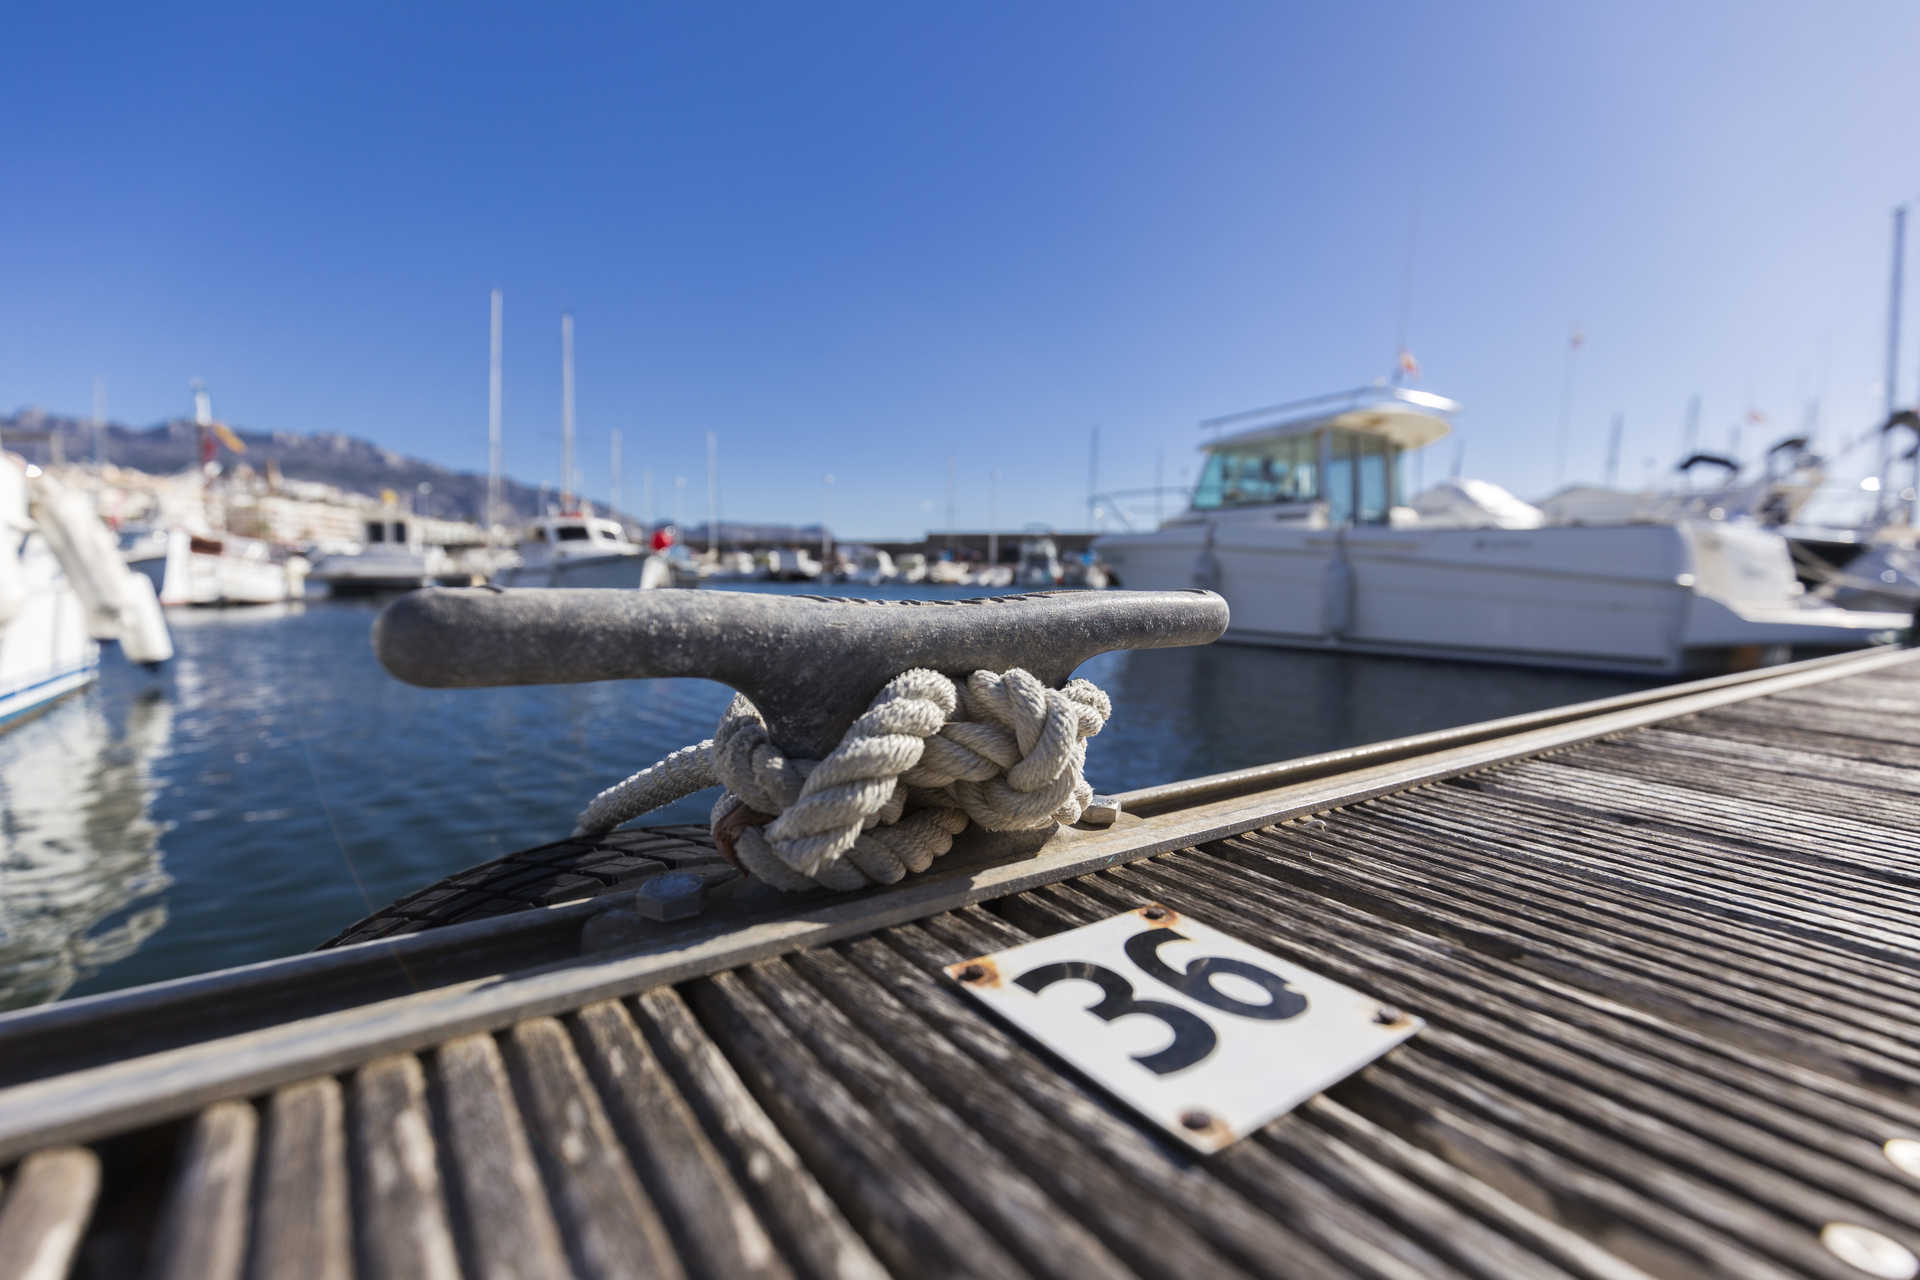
(273, 783)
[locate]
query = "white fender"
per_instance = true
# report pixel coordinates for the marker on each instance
(655, 572)
(86, 552)
(143, 626)
(120, 603)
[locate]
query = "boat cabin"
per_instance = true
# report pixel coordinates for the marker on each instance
(1342, 450)
(387, 532)
(579, 534)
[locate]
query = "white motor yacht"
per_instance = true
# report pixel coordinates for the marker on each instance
(792, 565)
(1296, 519)
(217, 569)
(872, 567)
(581, 550)
(948, 572)
(63, 589)
(912, 567)
(392, 558)
(1039, 564)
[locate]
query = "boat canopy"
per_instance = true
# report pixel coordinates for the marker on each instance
(1404, 418)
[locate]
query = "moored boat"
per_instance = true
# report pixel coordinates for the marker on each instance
(1297, 520)
(581, 550)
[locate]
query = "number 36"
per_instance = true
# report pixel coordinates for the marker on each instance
(1193, 1037)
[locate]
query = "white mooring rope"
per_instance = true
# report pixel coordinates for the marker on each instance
(927, 757)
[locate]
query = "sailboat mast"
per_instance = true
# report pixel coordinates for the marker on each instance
(566, 413)
(99, 414)
(613, 506)
(1893, 352)
(1613, 450)
(493, 416)
(713, 493)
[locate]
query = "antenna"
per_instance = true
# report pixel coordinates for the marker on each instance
(1575, 341)
(993, 516)
(613, 507)
(566, 412)
(949, 502)
(493, 414)
(99, 414)
(1893, 352)
(1093, 481)
(713, 493)
(1690, 434)
(1401, 358)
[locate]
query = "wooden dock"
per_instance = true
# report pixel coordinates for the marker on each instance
(1667, 947)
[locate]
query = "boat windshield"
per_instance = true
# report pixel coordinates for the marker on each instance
(1275, 471)
(1359, 483)
(571, 533)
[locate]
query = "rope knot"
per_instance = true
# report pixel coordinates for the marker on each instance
(923, 761)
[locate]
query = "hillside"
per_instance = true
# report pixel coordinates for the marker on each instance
(347, 462)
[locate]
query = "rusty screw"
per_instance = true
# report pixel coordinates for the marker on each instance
(973, 973)
(1386, 1015)
(1158, 913)
(1196, 1120)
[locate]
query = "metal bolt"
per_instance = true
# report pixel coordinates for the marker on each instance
(1196, 1120)
(1904, 1154)
(1869, 1251)
(1156, 913)
(1386, 1015)
(973, 973)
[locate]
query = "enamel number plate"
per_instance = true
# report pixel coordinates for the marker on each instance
(1207, 1037)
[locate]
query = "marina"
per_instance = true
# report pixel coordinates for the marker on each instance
(823, 644)
(1659, 972)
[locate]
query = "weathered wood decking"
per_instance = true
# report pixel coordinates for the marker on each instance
(1668, 949)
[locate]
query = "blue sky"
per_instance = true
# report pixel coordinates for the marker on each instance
(862, 239)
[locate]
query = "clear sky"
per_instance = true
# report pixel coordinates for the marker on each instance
(861, 239)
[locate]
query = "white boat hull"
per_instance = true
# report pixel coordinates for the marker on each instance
(614, 572)
(1655, 599)
(46, 651)
(190, 575)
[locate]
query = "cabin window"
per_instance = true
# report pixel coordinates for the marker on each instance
(571, 533)
(1277, 471)
(1360, 478)
(399, 530)
(376, 533)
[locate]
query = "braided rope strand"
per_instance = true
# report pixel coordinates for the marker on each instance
(926, 759)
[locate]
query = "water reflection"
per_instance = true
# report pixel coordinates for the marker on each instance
(1189, 712)
(80, 869)
(295, 786)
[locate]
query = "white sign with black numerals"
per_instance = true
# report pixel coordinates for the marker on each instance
(1197, 1031)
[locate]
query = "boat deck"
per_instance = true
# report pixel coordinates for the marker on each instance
(1667, 948)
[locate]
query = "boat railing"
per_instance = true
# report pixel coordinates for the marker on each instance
(1140, 509)
(1369, 397)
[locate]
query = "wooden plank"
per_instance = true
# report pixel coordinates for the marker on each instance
(399, 1204)
(45, 1213)
(506, 1227)
(907, 1214)
(205, 1224)
(1158, 1180)
(996, 1190)
(609, 1224)
(1684, 1181)
(301, 1224)
(714, 1227)
(1128, 1218)
(811, 1233)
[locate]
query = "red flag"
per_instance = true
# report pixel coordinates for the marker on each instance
(1409, 367)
